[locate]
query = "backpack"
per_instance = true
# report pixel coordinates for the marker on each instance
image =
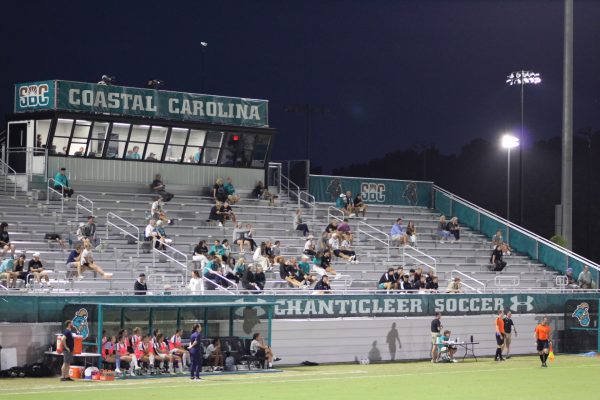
(37, 370)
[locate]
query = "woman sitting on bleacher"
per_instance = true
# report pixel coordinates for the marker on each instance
(5, 240)
(287, 271)
(161, 235)
(261, 192)
(249, 282)
(239, 269)
(261, 257)
(200, 252)
(86, 260)
(212, 271)
(17, 271)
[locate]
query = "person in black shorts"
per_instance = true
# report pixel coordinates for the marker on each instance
(509, 326)
(436, 331)
(67, 345)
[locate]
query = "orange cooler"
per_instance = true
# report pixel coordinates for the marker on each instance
(78, 340)
(76, 372)
(78, 348)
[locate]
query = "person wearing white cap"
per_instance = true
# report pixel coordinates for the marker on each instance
(309, 246)
(36, 268)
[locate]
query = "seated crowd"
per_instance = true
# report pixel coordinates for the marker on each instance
(411, 281)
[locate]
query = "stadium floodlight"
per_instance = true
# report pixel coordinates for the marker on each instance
(204, 44)
(522, 78)
(508, 142)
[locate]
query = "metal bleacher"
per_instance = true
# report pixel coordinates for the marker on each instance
(30, 220)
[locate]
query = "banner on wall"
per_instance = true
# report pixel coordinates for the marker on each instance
(328, 306)
(374, 191)
(139, 102)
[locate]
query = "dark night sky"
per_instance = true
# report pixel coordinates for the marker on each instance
(393, 73)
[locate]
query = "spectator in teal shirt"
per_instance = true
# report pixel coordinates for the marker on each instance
(218, 248)
(341, 205)
(230, 190)
(197, 155)
(304, 271)
(61, 184)
(135, 154)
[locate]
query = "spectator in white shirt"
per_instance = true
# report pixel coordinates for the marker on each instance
(195, 284)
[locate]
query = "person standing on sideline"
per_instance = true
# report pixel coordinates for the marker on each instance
(500, 333)
(195, 350)
(436, 331)
(67, 349)
(509, 325)
(542, 337)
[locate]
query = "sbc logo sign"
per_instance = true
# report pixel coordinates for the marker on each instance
(372, 192)
(32, 96)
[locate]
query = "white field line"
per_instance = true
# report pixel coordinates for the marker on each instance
(219, 382)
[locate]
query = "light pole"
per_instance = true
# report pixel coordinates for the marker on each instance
(522, 78)
(203, 46)
(508, 142)
(308, 110)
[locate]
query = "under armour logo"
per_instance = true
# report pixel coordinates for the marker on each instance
(528, 303)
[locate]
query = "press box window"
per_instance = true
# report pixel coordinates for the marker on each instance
(176, 144)
(193, 151)
(213, 145)
(118, 138)
(62, 133)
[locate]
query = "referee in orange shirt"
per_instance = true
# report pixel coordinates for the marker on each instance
(500, 333)
(543, 341)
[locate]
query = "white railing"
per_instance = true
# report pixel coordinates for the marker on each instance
(50, 189)
(290, 187)
(506, 281)
(89, 210)
(215, 284)
(431, 263)
(183, 265)
(330, 214)
(309, 202)
(363, 228)
(509, 225)
(470, 279)
(6, 169)
(123, 230)
(163, 279)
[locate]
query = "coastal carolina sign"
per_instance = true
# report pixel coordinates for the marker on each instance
(128, 101)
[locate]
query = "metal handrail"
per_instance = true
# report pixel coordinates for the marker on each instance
(89, 210)
(404, 248)
(455, 271)
(215, 284)
(330, 215)
(385, 242)
(184, 266)
(50, 188)
(508, 224)
(296, 187)
(507, 281)
(122, 230)
(6, 169)
(163, 276)
(308, 202)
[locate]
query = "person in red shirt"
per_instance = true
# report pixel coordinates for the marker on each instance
(162, 352)
(176, 348)
(499, 336)
(543, 335)
(144, 352)
(122, 354)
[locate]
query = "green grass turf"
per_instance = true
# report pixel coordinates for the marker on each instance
(568, 377)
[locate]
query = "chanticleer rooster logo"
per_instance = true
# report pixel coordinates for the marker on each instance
(582, 313)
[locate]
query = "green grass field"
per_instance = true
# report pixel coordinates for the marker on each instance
(568, 377)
